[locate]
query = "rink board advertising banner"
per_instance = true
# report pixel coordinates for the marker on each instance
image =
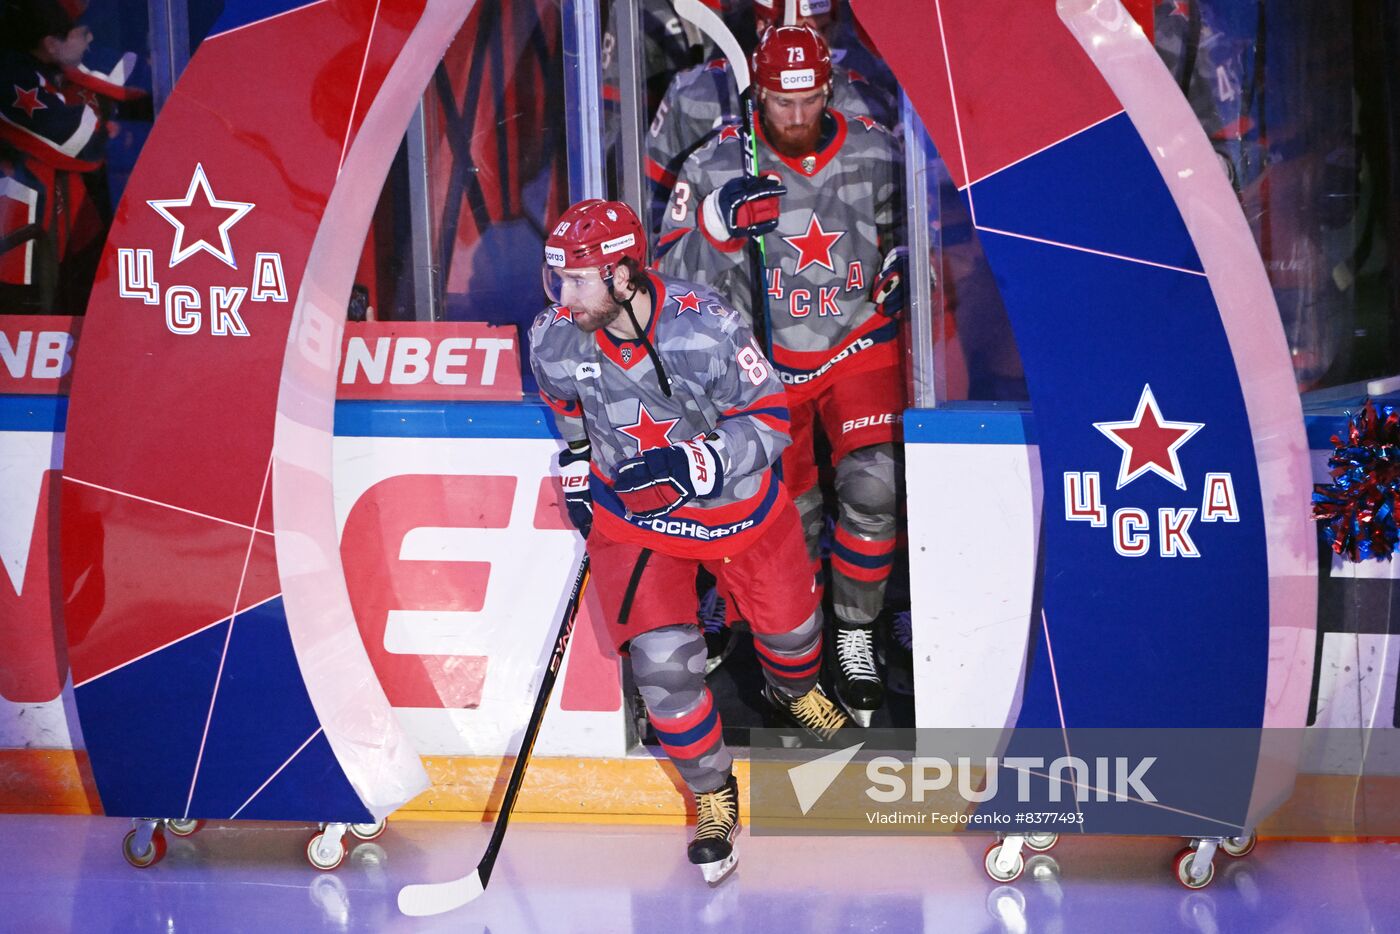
(1157, 782)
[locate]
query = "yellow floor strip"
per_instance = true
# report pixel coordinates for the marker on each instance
(645, 790)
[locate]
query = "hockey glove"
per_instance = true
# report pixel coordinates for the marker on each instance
(664, 479)
(742, 207)
(573, 472)
(889, 293)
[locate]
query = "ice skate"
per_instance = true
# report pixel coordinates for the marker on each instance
(858, 684)
(813, 712)
(716, 825)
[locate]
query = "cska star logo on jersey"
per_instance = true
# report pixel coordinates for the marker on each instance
(687, 302)
(647, 431)
(201, 221)
(1149, 443)
(814, 246)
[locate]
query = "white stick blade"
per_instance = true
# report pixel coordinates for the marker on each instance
(709, 22)
(435, 898)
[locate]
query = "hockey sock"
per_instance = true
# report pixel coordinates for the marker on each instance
(792, 660)
(668, 665)
(865, 533)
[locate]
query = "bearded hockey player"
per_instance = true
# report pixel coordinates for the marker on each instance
(700, 100)
(834, 285)
(673, 420)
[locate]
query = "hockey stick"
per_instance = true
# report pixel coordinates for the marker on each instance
(709, 23)
(433, 898)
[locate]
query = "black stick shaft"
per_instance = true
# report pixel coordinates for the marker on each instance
(758, 258)
(532, 729)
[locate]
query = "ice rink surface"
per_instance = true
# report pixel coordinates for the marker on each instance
(66, 874)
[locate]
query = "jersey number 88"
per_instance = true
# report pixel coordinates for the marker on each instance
(751, 361)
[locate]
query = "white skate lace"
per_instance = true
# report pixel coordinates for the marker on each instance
(714, 813)
(854, 653)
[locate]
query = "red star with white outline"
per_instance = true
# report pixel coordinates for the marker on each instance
(647, 431)
(687, 302)
(1149, 442)
(1181, 8)
(866, 122)
(28, 100)
(814, 247)
(211, 220)
(561, 313)
(729, 131)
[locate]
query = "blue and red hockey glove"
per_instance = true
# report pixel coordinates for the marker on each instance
(889, 293)
(742, 207)
(573, 474)
(664, 479)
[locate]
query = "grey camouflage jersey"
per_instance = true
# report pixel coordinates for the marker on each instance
(701, 99)
(838, 221)
(608, 391)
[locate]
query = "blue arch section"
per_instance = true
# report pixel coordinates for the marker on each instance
(311, 783)
(1099, 190)
(261, 718)
(1129, 634)
(142, 724)
(1132, 641)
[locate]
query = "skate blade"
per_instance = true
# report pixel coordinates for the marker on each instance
(718, 871)
(860, 718)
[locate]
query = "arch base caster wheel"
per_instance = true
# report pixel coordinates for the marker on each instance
(1237, 847)
(369, 831)
(1041, 842)
(143, 856)
(1004, 862)
(183, 828)
(326, 850)
(1188, 871)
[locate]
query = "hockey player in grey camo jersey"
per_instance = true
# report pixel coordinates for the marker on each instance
(673, 419)
(703, 99)
(834, 285)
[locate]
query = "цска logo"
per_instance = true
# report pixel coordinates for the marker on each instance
(1150, 444)
(200, 224)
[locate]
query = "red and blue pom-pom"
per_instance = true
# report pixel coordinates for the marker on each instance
(1358, 508)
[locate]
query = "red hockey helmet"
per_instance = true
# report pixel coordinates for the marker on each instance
(593, 234)
(791, 58)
